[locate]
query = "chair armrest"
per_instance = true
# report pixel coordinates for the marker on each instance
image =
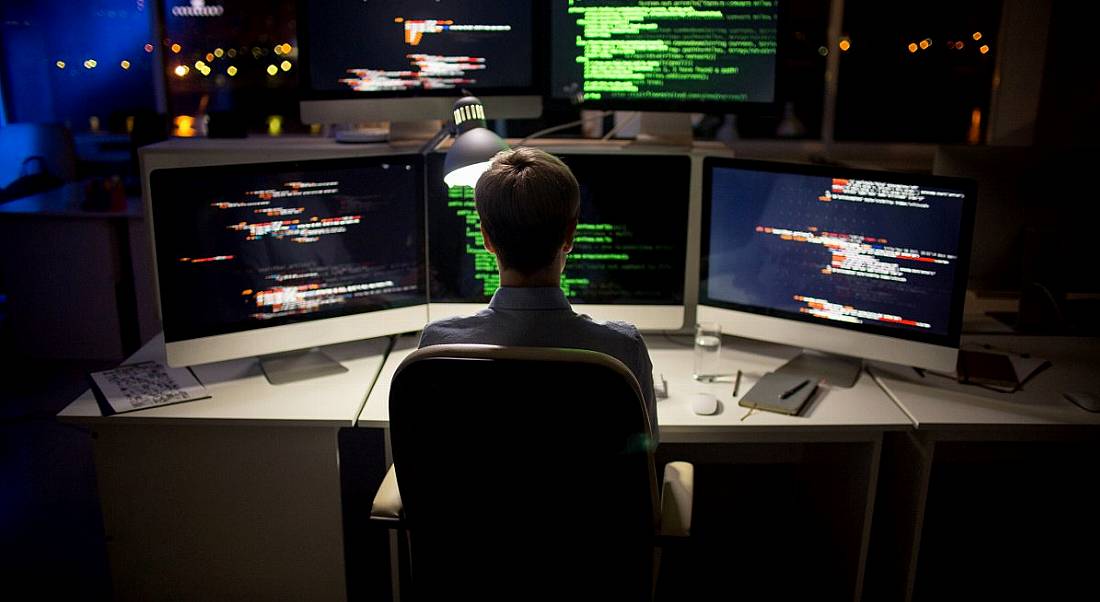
(677, 494)
(387, 500)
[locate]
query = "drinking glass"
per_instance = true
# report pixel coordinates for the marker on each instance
(708, 348)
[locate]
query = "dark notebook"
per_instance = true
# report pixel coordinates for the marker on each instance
(782, 393)
(982, 368)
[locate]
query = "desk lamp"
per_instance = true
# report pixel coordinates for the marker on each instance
(474, 147)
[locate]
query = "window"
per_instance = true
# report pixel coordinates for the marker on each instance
(916, 71)
(237, 59)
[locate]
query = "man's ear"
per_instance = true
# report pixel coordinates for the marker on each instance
(570, 232)
(488, 244)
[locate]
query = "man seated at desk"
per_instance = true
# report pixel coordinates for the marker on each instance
(529, 202)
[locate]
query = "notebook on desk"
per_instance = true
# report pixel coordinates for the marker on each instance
(980, 367)
(781, 393)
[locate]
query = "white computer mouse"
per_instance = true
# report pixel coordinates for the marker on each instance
(704, 404)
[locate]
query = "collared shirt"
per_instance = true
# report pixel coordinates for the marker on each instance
(542, 317)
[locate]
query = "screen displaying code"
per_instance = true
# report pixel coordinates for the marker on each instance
(405, 46)
(862, 252)
(248, 246)
(629, 248)
(657, 50)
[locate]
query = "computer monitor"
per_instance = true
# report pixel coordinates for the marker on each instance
(864, 264)
(407, 60)
(629, 251)
(265, 258)
(680, 55)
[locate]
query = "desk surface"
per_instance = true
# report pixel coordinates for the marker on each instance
(864, 407)
(937, 401)
(65, 201)
(241, 393)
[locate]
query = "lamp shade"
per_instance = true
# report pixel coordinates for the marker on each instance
(470, 155)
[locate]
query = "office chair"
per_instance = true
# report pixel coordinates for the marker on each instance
(527, 473)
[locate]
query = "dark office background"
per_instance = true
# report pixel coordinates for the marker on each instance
(911, 73)
(65, 63)
(119, 73)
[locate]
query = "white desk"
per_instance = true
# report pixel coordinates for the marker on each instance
(833, 414)
(840, 433)
(849, 413)
(941, 404)
(239, 495)
(233, 497)
(376, 411)
(980, 460)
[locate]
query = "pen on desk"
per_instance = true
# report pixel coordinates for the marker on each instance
(794, 389)
(749, 413)
(737, 384)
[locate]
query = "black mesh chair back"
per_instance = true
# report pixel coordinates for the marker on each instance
(524, 473)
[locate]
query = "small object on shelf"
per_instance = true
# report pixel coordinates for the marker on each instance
(662, 392)
(104, 194)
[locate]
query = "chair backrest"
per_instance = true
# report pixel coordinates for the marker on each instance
(524, 471)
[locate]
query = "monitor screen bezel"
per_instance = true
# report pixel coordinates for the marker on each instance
(537, 87)
(296, 325)
(954, 327)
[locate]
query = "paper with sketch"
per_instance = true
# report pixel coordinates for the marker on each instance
(145, 385)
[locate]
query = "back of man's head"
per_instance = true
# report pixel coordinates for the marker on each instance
(527, 201)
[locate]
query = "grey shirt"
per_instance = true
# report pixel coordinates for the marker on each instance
(542, 317)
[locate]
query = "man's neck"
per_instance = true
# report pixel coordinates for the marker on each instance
(548, 277)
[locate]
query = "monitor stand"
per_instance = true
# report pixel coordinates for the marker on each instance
(403, 133)
(664, 129)
(363, 133)
(398, 133)
(835, 370)
(293, 366)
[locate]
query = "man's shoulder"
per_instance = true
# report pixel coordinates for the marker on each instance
(613, 329)
(455, 329)
(619, 339)
(572, 330)
(625, 329)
